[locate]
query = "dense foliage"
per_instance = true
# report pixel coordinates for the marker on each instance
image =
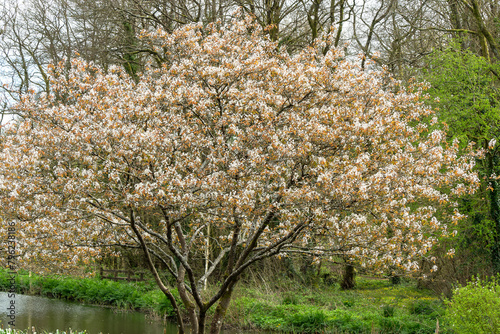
(468, 98)
(475, 308)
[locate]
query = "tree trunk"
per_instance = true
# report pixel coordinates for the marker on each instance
(273, 11)
(395, 279)
(220, 311)
(340, 23)
(188, 303)
(201, 322)
(455, 21)
(348, 281)
(488, 42)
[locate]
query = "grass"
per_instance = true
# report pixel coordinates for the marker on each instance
(375, 306)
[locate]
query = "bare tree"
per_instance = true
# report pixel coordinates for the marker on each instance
(42, 33)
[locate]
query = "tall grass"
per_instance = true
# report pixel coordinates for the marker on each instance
(375, 307)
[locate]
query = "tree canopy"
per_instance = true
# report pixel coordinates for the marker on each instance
(226, 138)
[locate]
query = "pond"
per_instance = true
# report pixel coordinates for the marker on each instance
(51, 314)
(45, 314)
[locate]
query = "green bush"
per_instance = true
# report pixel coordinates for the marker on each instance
(475, 308)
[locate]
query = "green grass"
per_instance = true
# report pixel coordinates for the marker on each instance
(375, 306)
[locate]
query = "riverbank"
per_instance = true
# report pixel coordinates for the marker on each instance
(137, 296)
(375, 306)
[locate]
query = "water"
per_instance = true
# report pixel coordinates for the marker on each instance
(45, 314)
(50, 314)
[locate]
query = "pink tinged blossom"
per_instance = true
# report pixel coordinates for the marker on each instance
(492, 143)
(231, 130)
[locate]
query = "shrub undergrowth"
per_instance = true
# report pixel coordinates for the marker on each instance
(475, 308)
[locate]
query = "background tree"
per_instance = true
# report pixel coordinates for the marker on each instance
(469, 96)
(48, 32)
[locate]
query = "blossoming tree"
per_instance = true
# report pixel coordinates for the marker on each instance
(227, 140)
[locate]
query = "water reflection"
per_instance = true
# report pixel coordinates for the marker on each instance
(49, 314)
(46, 314)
